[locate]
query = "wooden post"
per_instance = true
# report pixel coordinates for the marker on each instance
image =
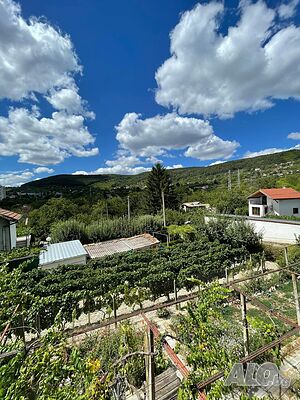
(150, 365)
(89, 317)
(295, 290)
(114, 309)
(163, 207)
(245, 325)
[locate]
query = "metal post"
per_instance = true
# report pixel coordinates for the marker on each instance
(175, 292)
(128, 207)
(150, 365)
(226, 274)
(245, 324)
(295, 290)
(229, 181)
(115, 309)
(286, 257)
(163, 207)
(38, 322)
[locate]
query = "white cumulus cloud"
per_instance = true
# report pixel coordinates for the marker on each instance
(288, 10)
(272, 150)
(155, 136)
(43, 170)
(34, 56)
(44, 141)
(15, 178)
(37, 60)
(294, 135)
(211, 73)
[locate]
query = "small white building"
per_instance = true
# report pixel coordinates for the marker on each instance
(194, 205)
(64, 253)
(285, 201)
(8, 230)
(2, 193)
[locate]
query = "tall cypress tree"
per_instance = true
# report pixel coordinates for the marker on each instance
(159, 180)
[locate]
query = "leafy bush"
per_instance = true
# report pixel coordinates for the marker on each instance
(18, 253)
(163, 313)
(293, 256)
(104, 229)
(236, 233)
(272, 252)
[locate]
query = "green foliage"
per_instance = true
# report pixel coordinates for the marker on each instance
(131, 276)
(272, 252)
(60, 371)
(293, 256)
(54, 210)
(234, 233)
(159, 181)
(112, 345)
(105, 229)
(163, 313)
(201, 331)
(18, 253)
(183, 231)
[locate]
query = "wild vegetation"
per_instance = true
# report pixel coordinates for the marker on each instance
(94, 210)
(97, 198)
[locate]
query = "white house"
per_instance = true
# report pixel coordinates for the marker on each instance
(63, 253)
(285, 201)
(8, 231)
(194, 205)
(2, 193)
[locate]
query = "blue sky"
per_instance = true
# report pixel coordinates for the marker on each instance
(89, 86)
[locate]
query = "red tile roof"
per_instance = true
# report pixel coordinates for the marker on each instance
(277, 194)
(9, 215)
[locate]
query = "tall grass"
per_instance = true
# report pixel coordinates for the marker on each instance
(104, 229)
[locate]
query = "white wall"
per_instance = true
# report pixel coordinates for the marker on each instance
(274, 231)
(261, 208)
(13, 235)
(277, 232)
(286, 207)
(80, 260)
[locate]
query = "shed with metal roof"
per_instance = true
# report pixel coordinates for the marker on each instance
(110, 247)
(8, 232)
(63, 253)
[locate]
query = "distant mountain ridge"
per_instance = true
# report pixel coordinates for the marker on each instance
(279, 164)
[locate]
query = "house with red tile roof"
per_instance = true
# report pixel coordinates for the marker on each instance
(8, 230)
(282, 201)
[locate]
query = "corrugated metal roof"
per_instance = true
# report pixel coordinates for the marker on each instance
(61, 251)
(10, 215)
(110, 247)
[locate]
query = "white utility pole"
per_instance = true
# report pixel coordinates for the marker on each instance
(229, 180)
(128, 207)
(238, 179)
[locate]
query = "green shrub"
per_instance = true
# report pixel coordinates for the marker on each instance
(163, 313)
(104, 229)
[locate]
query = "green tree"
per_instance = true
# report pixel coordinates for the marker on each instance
(54, 210)
(159, 181)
